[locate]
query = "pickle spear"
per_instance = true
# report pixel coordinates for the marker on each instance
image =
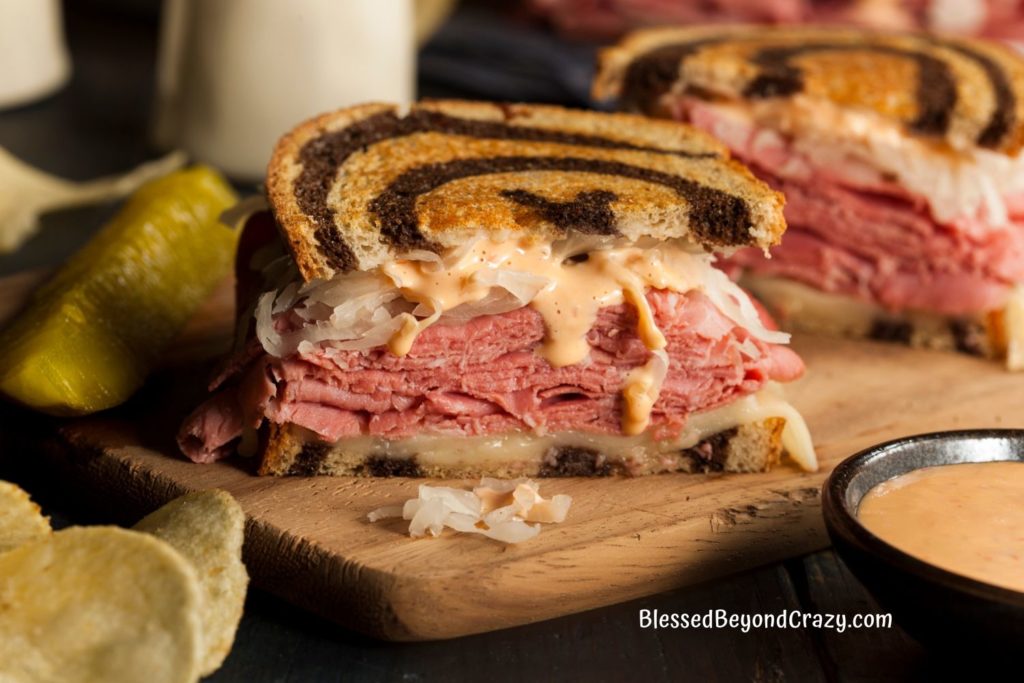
(89, 336)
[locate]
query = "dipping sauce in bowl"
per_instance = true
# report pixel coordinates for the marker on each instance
(931, 525)
(967, 518)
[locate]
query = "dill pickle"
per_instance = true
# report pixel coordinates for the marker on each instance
(89, 336)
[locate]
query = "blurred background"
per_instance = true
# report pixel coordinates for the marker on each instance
(96, 87)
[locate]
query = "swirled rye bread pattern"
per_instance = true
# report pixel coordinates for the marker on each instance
(345, 186)
(956, 89)
(899, 155)
(473, 288)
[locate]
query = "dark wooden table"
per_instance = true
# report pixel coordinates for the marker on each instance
(98, 125)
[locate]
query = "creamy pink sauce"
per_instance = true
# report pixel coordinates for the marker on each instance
(967, 518)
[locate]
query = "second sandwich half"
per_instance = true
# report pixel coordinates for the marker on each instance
(900, 158)
(473, 289)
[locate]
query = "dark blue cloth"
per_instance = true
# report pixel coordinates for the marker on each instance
(481, 54)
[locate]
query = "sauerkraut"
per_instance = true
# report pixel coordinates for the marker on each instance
(498, 509)
(362, 310)
(971, 187)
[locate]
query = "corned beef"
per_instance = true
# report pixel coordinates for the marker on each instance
(482, 377)
(888, 251)
(853, 231)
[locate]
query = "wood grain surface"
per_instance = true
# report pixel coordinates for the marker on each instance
(308, 539)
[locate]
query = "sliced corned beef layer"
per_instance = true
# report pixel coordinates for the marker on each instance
(887, 250)
(482, 377)
(857, 232)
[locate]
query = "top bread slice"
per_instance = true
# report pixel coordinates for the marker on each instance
(359, 187)
(963, 92)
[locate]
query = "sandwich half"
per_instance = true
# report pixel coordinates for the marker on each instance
(471, 289)
(898, 154)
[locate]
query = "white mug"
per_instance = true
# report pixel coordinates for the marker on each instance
(33, 56)
(234, 75)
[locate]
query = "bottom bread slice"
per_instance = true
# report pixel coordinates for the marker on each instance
(800, 307)
(292, 450)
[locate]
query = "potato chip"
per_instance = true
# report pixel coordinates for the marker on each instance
(98, 604)
(20, 519)
(207, 528)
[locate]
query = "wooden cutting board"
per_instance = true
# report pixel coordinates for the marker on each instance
(309, 541)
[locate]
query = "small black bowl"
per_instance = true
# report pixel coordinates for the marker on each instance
(937, 607)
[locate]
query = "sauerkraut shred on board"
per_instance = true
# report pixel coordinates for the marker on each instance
(496, 508)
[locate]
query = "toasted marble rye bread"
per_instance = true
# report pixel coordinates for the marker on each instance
(357, 188)
(750, 447)
(963, 91)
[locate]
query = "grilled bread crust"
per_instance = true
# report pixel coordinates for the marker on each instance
(964, 92)
(359, 187)
(754, 447)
